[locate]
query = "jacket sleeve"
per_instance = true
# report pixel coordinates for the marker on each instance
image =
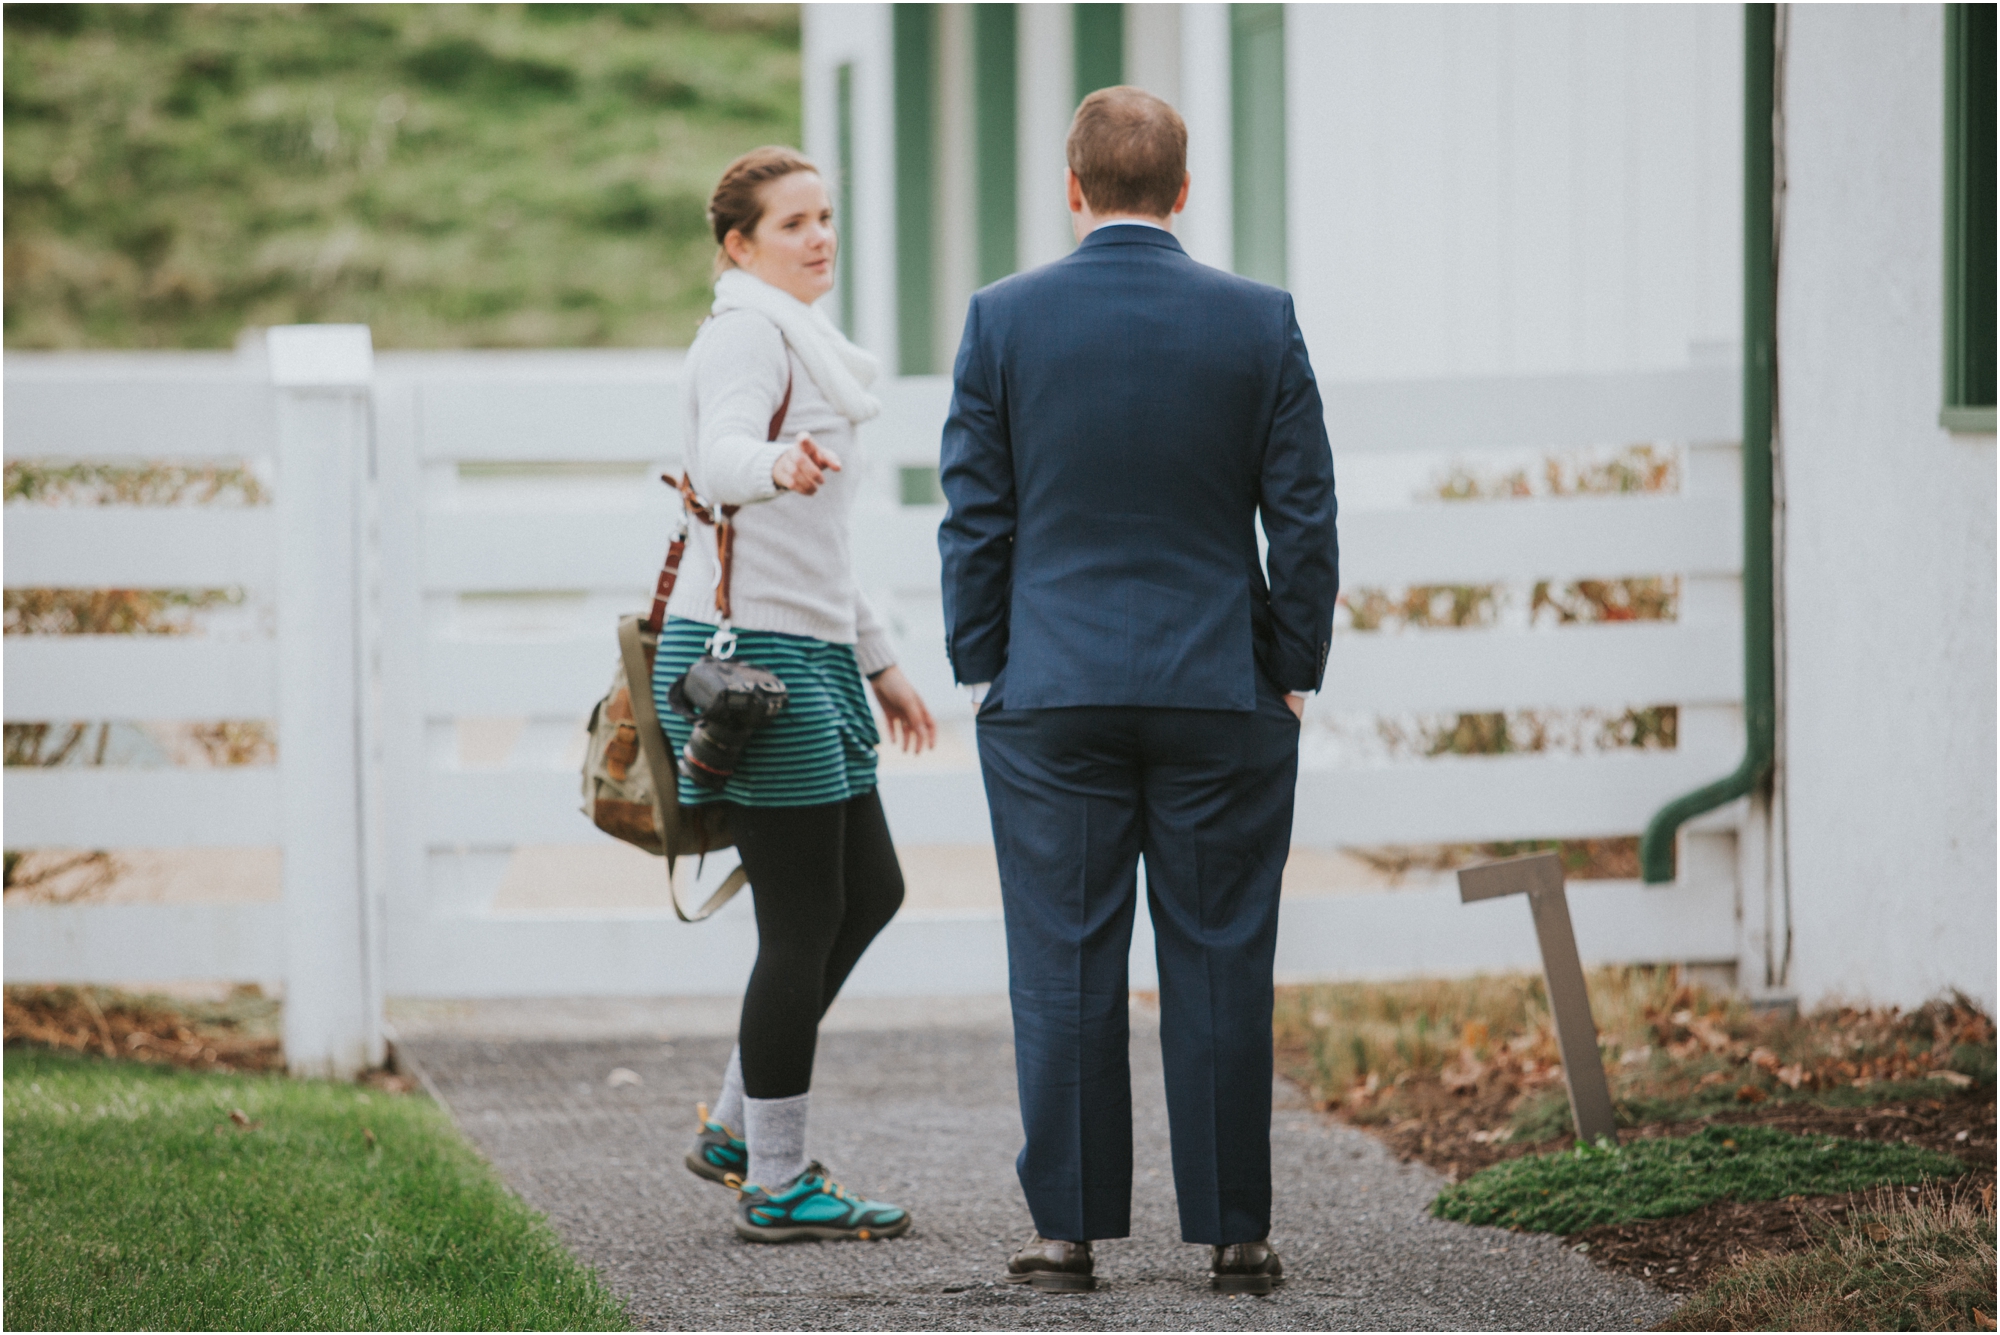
(737, 386)
(976, 540)
(1298, 508)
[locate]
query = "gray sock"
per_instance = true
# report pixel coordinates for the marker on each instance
(776, 1130)
(728, 1108)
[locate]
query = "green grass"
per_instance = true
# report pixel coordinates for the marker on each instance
(1654, 1179)
(453, 175)
(1922, 1264)
(133, 1200)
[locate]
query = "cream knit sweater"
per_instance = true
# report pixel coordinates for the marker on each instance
(793, 570)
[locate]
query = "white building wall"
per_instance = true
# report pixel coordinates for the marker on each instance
(1206, 226)
(955, 236)
(1514, 189)
(1045, 100)
(1889, 532)
(1152, 51)
(831, 36)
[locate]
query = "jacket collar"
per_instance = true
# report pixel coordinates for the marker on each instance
(1129, 236)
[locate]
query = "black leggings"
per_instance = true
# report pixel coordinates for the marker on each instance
(825, 881)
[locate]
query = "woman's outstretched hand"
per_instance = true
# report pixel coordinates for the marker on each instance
(804, 467)
(910, 724)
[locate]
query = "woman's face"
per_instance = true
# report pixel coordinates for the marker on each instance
(793, 245)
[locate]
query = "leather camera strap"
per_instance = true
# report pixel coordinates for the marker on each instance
(717, 518)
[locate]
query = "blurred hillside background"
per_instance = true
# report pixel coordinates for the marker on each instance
(451, 175)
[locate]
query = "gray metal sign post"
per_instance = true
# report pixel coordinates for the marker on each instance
(1539, 876)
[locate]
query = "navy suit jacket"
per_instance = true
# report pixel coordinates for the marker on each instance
(1119, 421)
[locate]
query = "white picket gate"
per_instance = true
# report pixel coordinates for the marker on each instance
(453, 535)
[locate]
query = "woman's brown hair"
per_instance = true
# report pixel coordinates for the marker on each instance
(738, 202)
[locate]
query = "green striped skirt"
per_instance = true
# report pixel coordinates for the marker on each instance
(820, 748)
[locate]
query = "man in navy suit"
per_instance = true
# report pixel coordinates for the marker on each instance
(1120, 422)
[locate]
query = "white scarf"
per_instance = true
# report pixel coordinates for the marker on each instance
(842, 371)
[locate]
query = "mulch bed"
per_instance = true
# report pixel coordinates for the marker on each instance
(1452, 1133)
(150, 1029)
(114, 1025)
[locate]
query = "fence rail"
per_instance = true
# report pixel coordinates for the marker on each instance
(135, 547)
(452, 534)
(164, 678)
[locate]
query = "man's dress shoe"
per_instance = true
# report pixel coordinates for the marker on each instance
(1053, 1266)
(1245, 1267)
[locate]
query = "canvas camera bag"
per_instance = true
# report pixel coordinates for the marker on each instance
(630, 788)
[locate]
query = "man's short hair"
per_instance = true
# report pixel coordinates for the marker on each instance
(1129, 152)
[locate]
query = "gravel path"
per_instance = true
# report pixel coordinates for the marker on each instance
(926, 1117)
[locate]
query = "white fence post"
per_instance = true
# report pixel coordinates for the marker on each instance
(323, 374)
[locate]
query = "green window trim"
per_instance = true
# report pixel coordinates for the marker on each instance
(843, 152)
(1257, 140)
(993, 71)
(918, 485)
(1969, 218)
(1098, 39)
(914, 39)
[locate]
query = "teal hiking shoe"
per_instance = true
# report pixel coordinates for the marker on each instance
(719, 1154)
(812, 1206)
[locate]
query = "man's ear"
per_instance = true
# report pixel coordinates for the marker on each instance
(1180, 200)
(1074, 189)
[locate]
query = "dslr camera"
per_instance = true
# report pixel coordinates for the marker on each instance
(728, 701)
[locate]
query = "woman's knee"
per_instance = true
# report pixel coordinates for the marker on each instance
(802, 940)
(879, 900)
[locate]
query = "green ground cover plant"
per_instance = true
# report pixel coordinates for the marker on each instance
(452, 175)
(1923, 1263)
(147, 1197)
(1592, 1185)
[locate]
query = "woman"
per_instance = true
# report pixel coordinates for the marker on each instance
(807, 821)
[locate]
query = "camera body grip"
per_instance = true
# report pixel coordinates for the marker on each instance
(728, 702)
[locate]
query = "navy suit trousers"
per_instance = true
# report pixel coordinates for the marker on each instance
(1077, 796)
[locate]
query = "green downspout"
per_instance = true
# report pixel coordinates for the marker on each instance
(1760, 712)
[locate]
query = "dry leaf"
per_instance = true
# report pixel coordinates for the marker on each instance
(1463, 1074)
(1792, 1076)
(241, 1118)
(623, 1075)
(1981, 1320)
(1712, 1035)
(1750, 1094)
(368, 1137)
(1956, 1079)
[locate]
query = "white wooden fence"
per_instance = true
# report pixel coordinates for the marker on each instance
(453, 535)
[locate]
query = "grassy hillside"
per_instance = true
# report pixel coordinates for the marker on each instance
(526, 175)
